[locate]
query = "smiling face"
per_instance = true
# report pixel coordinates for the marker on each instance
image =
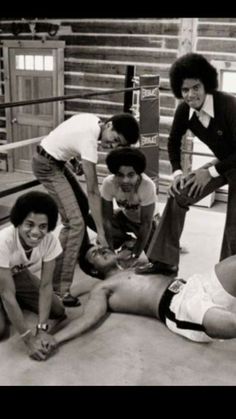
(33, 229)
(193, 93)
(127, 178)
(110, 138)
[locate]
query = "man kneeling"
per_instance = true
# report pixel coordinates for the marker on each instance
(28, 247)
(200, 309)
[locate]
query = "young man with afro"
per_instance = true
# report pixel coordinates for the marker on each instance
(27, 262)
(135, 196)
(78, 136)
(210, 115)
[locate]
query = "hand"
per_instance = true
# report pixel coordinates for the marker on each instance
(127, 260)
(197, 181)
(48, 342)
(39, 346)
(35, 348)
(77, 166)
(101, 240)
(177, 184)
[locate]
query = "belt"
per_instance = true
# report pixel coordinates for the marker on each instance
(42, 152)
(169, 293)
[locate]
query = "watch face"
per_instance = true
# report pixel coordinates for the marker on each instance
(43, 327)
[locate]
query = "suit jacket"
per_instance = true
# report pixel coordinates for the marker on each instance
(219, 136)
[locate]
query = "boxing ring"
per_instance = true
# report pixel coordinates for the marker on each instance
(125, 349)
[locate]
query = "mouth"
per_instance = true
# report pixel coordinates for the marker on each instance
(126, 188)
(33, 241)
(193, 101)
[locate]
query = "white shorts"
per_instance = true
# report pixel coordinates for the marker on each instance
(189, 305)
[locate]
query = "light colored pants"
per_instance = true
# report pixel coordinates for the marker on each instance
(62, 185)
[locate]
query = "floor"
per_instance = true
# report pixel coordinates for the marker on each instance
(130, 350)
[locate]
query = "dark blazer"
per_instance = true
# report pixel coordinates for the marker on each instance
(219, 136)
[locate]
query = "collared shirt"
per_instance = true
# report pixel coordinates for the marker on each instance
(204, 115)
(206, 112)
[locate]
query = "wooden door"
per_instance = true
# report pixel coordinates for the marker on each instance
(35, 72)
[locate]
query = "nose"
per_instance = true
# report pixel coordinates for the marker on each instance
(125, 179)
(191, 93)
(35, 231)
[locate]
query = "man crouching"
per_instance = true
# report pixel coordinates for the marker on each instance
(27, 262)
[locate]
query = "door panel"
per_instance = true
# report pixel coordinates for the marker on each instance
(33, 75)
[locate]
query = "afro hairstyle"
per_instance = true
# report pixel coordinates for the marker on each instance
(126, 124)
(126, 156)
(37, 202)
(192, 66)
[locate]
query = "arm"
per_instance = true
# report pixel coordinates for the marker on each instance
(94, 198)
(107, 210)
(46, 290)
(145, 228)
(45, 302)
(8, 295)
(227, 108)
(94, 310)
(178, 129)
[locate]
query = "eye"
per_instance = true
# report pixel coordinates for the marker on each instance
(29, 224)
(43, 226)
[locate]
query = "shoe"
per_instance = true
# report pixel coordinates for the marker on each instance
(69, 301)
(157, 268)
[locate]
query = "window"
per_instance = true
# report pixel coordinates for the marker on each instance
(228, 79)
(227, 75)
(34, 62)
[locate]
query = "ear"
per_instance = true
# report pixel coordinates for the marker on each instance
(109, 124)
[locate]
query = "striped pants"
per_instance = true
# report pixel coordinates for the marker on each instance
(72, 203)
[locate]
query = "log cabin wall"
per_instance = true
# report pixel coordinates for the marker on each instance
(98, 50)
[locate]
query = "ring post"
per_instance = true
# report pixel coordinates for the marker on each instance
(149, 124)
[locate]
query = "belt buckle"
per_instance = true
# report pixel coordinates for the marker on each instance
(176, 286)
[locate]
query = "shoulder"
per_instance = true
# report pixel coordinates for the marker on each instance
(147, 181)
(224, 99)
(147, 186)
(182, 110)
(86, 118)
(109, 180)
(8, 234)
(50, 240)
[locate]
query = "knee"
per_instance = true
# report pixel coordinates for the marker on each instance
(182, 199)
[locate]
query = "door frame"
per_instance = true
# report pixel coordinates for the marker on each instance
(58, 54)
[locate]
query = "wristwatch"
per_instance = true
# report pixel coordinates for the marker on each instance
(42, 326)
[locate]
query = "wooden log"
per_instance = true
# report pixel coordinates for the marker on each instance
(217, 45)
(147, 41)
(216, 31)
(128, 26)
(127, 55)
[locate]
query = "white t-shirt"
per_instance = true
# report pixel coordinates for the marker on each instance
(77, 136)
(130, 202)
(12, 254)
